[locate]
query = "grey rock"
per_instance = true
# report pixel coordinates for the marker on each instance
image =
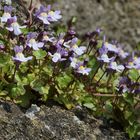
(53, 123)
(120, 19)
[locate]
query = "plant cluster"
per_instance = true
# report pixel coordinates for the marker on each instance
(41, 60)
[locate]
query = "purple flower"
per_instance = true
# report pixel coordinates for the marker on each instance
(42, 14)
(111, 47)
(72, 46)
(104, 58)
(122, 54)
(48, 16)
(124, 83)
(74, 62)
(54, 15)
(59, 55)
(137, 60)
(7, 13)
(56, 57)
(114, 66)
(83, 70)
(32, 43)
(13, 26)
(18, 49)
(19, 55)
(78, 50)
(134, 63)
(2, 46)
(103, 49)
(47, 38)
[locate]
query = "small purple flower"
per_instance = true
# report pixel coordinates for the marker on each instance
(19, 55)
(42, 14)
(114, 66)
(59, 55)
(124, 83)
(134, 63)
(103, 49)
(78, 50)
(54, 15)
(47, 38)
(13, 26)
(72, 46)
(47, 16)
(2, 46)
(32, 43)
(137, 60)
(111, 47)
(122, 54)
(83, 70)
(71, 32)
(7, 13)
(74, 62)
(56, 57)
(104, 58)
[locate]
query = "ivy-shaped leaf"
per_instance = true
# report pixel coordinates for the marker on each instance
(63, 80)
(133, 74)
(39, 54)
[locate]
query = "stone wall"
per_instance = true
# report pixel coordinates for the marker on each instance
(120, 19)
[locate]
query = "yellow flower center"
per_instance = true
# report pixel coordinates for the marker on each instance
(6, 15)
(130, 63)
(43, 14)
(61, 40)
(51, 13)
(81, 68)
(20, 55)
(75, 46)
(135, 58)
(45, 37)
(32, 41)
(14, 24)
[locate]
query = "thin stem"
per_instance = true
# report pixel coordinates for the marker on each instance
(135, 84)
(111, 95)
(101, 77)
(96, 72)
(15, 69)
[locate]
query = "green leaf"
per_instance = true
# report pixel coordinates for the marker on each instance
(48, 70)
(17, 90)
(133, 74)
(90, 106)
(4, 59)
(100, 42)
(109, 106)
(63, 80)
(128, 97)
(23, 67)
(74, 20)
(25, 99)
(31, 77)
(25, 31)
(3, 93)
(132, 130)
(39, 54)
(37, 84)
(44, 91)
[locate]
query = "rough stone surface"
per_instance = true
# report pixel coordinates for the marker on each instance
(53, 123)
(120, 19)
